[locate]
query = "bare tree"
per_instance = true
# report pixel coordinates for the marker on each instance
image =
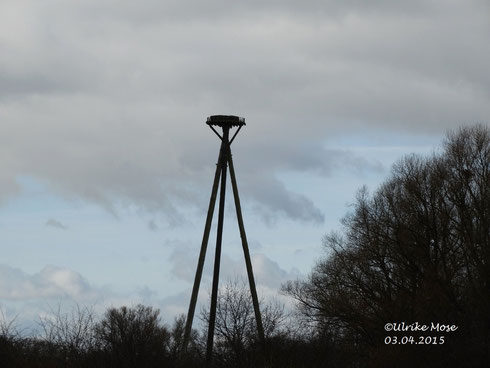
(8, 327)
(73, 331)
(235, 327)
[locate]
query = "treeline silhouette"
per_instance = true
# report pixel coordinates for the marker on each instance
(135, 337)
(415, 252)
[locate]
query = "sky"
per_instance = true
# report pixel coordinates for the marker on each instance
(106, 163)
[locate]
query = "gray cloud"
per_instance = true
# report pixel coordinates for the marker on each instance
(271, 198)
(154, 11)
(106, 100)
(152, 225)
(57, 224)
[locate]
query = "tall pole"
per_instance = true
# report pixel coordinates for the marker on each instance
(225, 151)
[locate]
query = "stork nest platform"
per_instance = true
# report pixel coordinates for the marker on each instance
(225, 121)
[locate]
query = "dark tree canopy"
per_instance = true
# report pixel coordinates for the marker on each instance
(415, 250)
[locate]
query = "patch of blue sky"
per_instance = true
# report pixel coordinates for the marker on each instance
(379, 139)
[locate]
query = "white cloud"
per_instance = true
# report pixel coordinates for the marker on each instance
(267, 273)
(30, 296)
(50, 283)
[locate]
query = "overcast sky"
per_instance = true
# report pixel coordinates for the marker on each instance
(106, 164)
